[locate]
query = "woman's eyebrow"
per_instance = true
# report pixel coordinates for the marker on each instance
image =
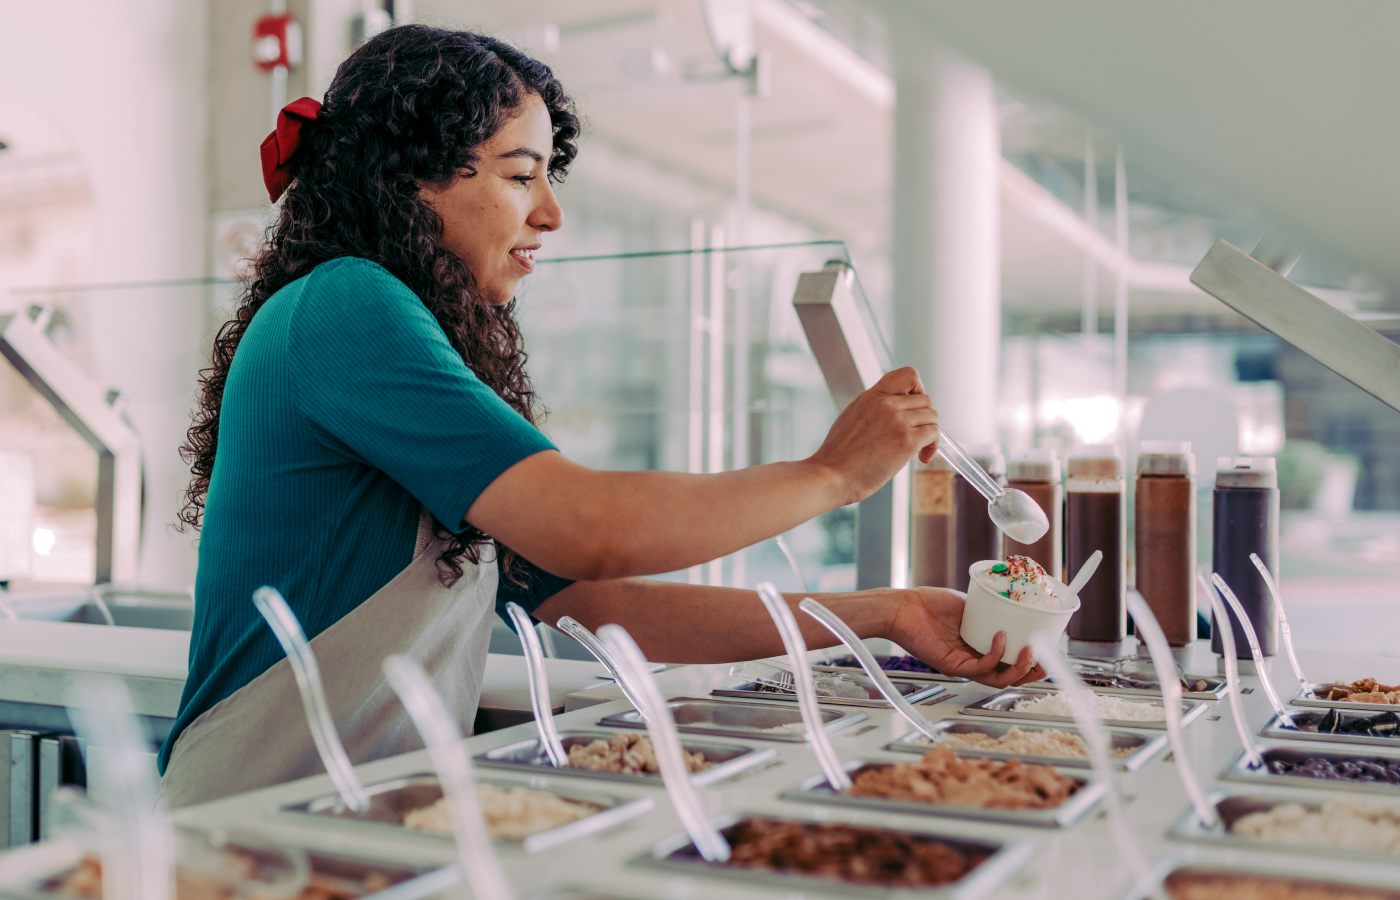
(522, 152)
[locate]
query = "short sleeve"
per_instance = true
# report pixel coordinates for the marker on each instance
(376, 378)
(528, 585)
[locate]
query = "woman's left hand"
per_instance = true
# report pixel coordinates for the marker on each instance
(927, 625)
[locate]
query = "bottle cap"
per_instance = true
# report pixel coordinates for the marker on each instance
(1095, 461)
(1039, 464)
(988, 456)
(1246, 471)
(1166, 458)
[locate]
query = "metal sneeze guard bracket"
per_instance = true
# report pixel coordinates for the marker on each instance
(851, 362)
(1263, 295)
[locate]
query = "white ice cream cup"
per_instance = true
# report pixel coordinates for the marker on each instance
(988, 612)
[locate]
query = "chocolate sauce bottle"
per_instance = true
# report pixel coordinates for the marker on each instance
(931, 529)
(1037, 472)
(1246, 521)
(1164, 532)
(1095, 519)
(975, 537)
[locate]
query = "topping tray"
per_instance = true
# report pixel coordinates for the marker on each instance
(333, 876)
(757, 721)
(1308, 695)
(999, 705)
(817, 790)
(1231, 807)
(727, 759)
(899, 666)
(1328, 770)
(1212, 687)
(993, 862)
(1336, 726)
(1144, 747)
(1263, 881)
(913, 691)
(396, 799)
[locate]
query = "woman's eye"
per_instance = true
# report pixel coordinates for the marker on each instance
(524, 179)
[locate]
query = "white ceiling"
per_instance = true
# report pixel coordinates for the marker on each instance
(1287, 104)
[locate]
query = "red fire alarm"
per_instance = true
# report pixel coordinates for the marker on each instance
(276, 42)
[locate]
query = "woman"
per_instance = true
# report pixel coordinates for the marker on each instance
(366, 440)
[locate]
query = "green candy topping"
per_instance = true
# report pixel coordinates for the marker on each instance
(999, 568)
(1006, 594)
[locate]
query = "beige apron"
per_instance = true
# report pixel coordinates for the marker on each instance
(258, 736)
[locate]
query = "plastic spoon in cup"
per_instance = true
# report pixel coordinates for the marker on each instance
(666, 741)
(1282, 619)
(872, 668)
(1013, 511)
(539, 686)
(802, 681)
(1081, 703)
(443, 739)
(1162, 659)
(1086, 571)
(574, 629)
(1232, 672)
(285, 626)
(134, 836)
(1254, 650)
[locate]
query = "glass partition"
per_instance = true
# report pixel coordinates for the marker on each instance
(691, 361)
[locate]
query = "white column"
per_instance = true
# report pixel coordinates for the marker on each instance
(947, 285)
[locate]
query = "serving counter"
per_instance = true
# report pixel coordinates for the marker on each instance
(1079, 860)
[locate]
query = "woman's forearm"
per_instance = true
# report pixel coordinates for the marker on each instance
(600, 525)
(587, 524)
(684, 623)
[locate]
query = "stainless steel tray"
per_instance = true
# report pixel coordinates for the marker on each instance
(1144, 746)
(1276, 729)
(528, 755)
(745, 720)
(402, 795)
(678, 855)
(913, 691)
(405, 882)
(1216, 688)
(818, 790)
(999, 706)
(1231, 807)
(1382, 886)
(1307, 696)
(849, 664)
(1239, 770)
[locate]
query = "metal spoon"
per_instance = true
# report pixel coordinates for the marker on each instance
(285, 626)
(1013, 511)
(539, 686)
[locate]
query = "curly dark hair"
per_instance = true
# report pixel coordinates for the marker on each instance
(409, 107)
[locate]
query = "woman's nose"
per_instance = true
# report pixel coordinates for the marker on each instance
(547, 214)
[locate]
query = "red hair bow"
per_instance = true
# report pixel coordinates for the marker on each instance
(280, 146)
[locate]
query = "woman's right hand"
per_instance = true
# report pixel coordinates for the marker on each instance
(875, 436)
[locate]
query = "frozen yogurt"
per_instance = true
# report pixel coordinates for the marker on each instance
(1022, 579)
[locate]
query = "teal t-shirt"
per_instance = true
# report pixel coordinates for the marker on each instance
(346, 411)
